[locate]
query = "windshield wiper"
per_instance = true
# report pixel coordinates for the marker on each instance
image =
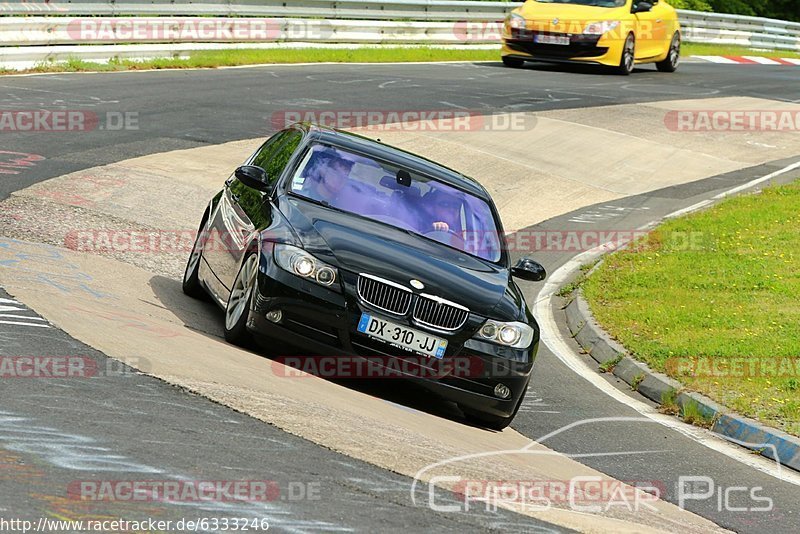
(323, 203)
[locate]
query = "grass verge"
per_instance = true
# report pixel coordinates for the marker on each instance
(232, 58)
(699, 49)
(713, 300)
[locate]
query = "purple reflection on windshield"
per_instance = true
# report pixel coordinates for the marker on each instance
(372, 189)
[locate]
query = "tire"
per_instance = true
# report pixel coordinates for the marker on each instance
(673, 59)
(191, 280)
(627, 59)
(237, 310)
(513, 62)
(493, 422)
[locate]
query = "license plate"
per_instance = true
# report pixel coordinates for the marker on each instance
(402, 336)
(551, 39)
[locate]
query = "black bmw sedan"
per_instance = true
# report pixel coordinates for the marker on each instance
(347, 248)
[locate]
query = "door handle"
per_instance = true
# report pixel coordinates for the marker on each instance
(659, 21)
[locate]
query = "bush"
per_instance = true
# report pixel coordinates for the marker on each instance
(694, 5)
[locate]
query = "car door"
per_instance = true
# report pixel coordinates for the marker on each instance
(665, 27)
(650, 30)
(244, 210)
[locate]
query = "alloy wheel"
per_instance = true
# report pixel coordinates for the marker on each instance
(239, 300)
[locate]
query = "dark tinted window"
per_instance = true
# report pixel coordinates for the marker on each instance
(405, 199)
(276, 152)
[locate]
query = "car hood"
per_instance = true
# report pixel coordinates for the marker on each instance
(569, 15)
(358, 245)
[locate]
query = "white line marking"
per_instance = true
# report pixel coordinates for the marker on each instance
(791, 60)
(762, 60)
(12, 316)
(8, 301)
(11, 308)
(26, 324)
(552, 338)
(693, 207)
(718, 59)
(452, 105)
(757, 181)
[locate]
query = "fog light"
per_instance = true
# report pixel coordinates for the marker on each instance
(502, 391)
(275, 316)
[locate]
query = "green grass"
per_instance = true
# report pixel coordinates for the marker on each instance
(697, 49)
(229, 58)
(568, 289)
(693, 415)
(637, 381)
(715, 287)
(609, 365)
(669, 402)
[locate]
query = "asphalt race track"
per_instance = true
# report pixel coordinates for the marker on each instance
(122, 424)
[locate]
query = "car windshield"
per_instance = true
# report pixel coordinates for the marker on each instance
(389, 194)
(595, 3)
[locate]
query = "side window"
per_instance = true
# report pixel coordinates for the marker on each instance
(275, 154)
(269, 146)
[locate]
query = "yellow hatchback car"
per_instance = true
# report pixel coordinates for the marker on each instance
(615, 33)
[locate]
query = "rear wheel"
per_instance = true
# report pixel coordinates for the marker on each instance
(513, 62)
(628, 58)
(237, 310)
(670, 64)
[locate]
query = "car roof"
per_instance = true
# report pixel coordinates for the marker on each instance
(408, 160)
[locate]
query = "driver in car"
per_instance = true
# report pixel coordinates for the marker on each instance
(328, 178)
(443, 210)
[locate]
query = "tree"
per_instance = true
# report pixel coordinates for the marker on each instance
(694, 5)
(776, 9)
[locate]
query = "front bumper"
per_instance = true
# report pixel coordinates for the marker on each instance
(598, 50)
(322, 323)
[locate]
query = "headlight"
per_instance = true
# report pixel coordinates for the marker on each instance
(298, 261)
(516, 335)
(599, 28)
(516, 21)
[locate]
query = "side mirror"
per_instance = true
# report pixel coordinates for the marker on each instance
(642, 7)
(527, 269)
(253, 176)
